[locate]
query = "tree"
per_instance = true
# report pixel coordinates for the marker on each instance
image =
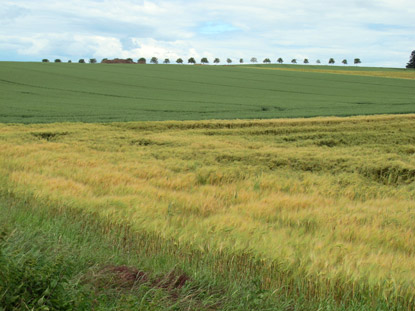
(179, 61)
(331, 61)
(154, 60)
(142, 60)
(266, 61)
(69, 61)
(45, 60)
(58, 60)
(130, 60)
(294, 61)
(191, 60)
(81, 61)
(204, 60)
(411, 63)
(357, 61)
(306, 61)
(104, 60)
(241, 60)
(280, 60)
(92, 61)
(229, 61)
(344, 61)
(254, 60)
(217, 60)
(318, 61)
(166, 61)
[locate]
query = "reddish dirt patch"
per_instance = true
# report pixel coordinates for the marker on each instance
(123, 277)
(126, 276)
(119, 279)
(173, 280)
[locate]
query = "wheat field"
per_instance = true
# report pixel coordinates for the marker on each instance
(325, 206)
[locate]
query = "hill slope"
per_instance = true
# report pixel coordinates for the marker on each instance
(39, 92)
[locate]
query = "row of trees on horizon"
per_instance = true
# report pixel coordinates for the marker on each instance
(204, 60)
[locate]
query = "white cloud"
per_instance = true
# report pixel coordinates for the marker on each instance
(381, 32)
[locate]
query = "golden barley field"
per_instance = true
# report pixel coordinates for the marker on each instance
(325, 204)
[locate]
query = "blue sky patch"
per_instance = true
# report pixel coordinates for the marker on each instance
(385, 27)
(215, 28)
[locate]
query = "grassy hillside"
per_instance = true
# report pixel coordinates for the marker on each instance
(319, 209)
(55, 92)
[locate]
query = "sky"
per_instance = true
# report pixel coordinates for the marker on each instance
(379, 32)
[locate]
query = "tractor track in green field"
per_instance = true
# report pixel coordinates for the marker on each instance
(172, 100)
(117, 96)
(143, 87)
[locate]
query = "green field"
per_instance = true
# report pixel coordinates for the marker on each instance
(57, 92)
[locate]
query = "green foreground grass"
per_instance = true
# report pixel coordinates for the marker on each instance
(54, 259)
(69, 261)
(44, 93)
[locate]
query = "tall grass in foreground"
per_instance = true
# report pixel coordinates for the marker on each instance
(53, 259)
(321, 208)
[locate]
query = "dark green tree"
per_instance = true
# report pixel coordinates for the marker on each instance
(266, 61)
(411, 63)
(318, 61)
(81, 61)
(294, 61)
(344, 61)
(280, 60)
(217, 60)
(357, 61)
(179, 61)
(58, 60)
(306, 61)
(229, 61)
(92, 61)
(241, 60)
(331, 61)
(142, 60)
(45, 60)
(154, 60)
(191, 60)
(204, 60)
(166, 61)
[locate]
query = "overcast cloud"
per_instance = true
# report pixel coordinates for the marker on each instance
(380, 32)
